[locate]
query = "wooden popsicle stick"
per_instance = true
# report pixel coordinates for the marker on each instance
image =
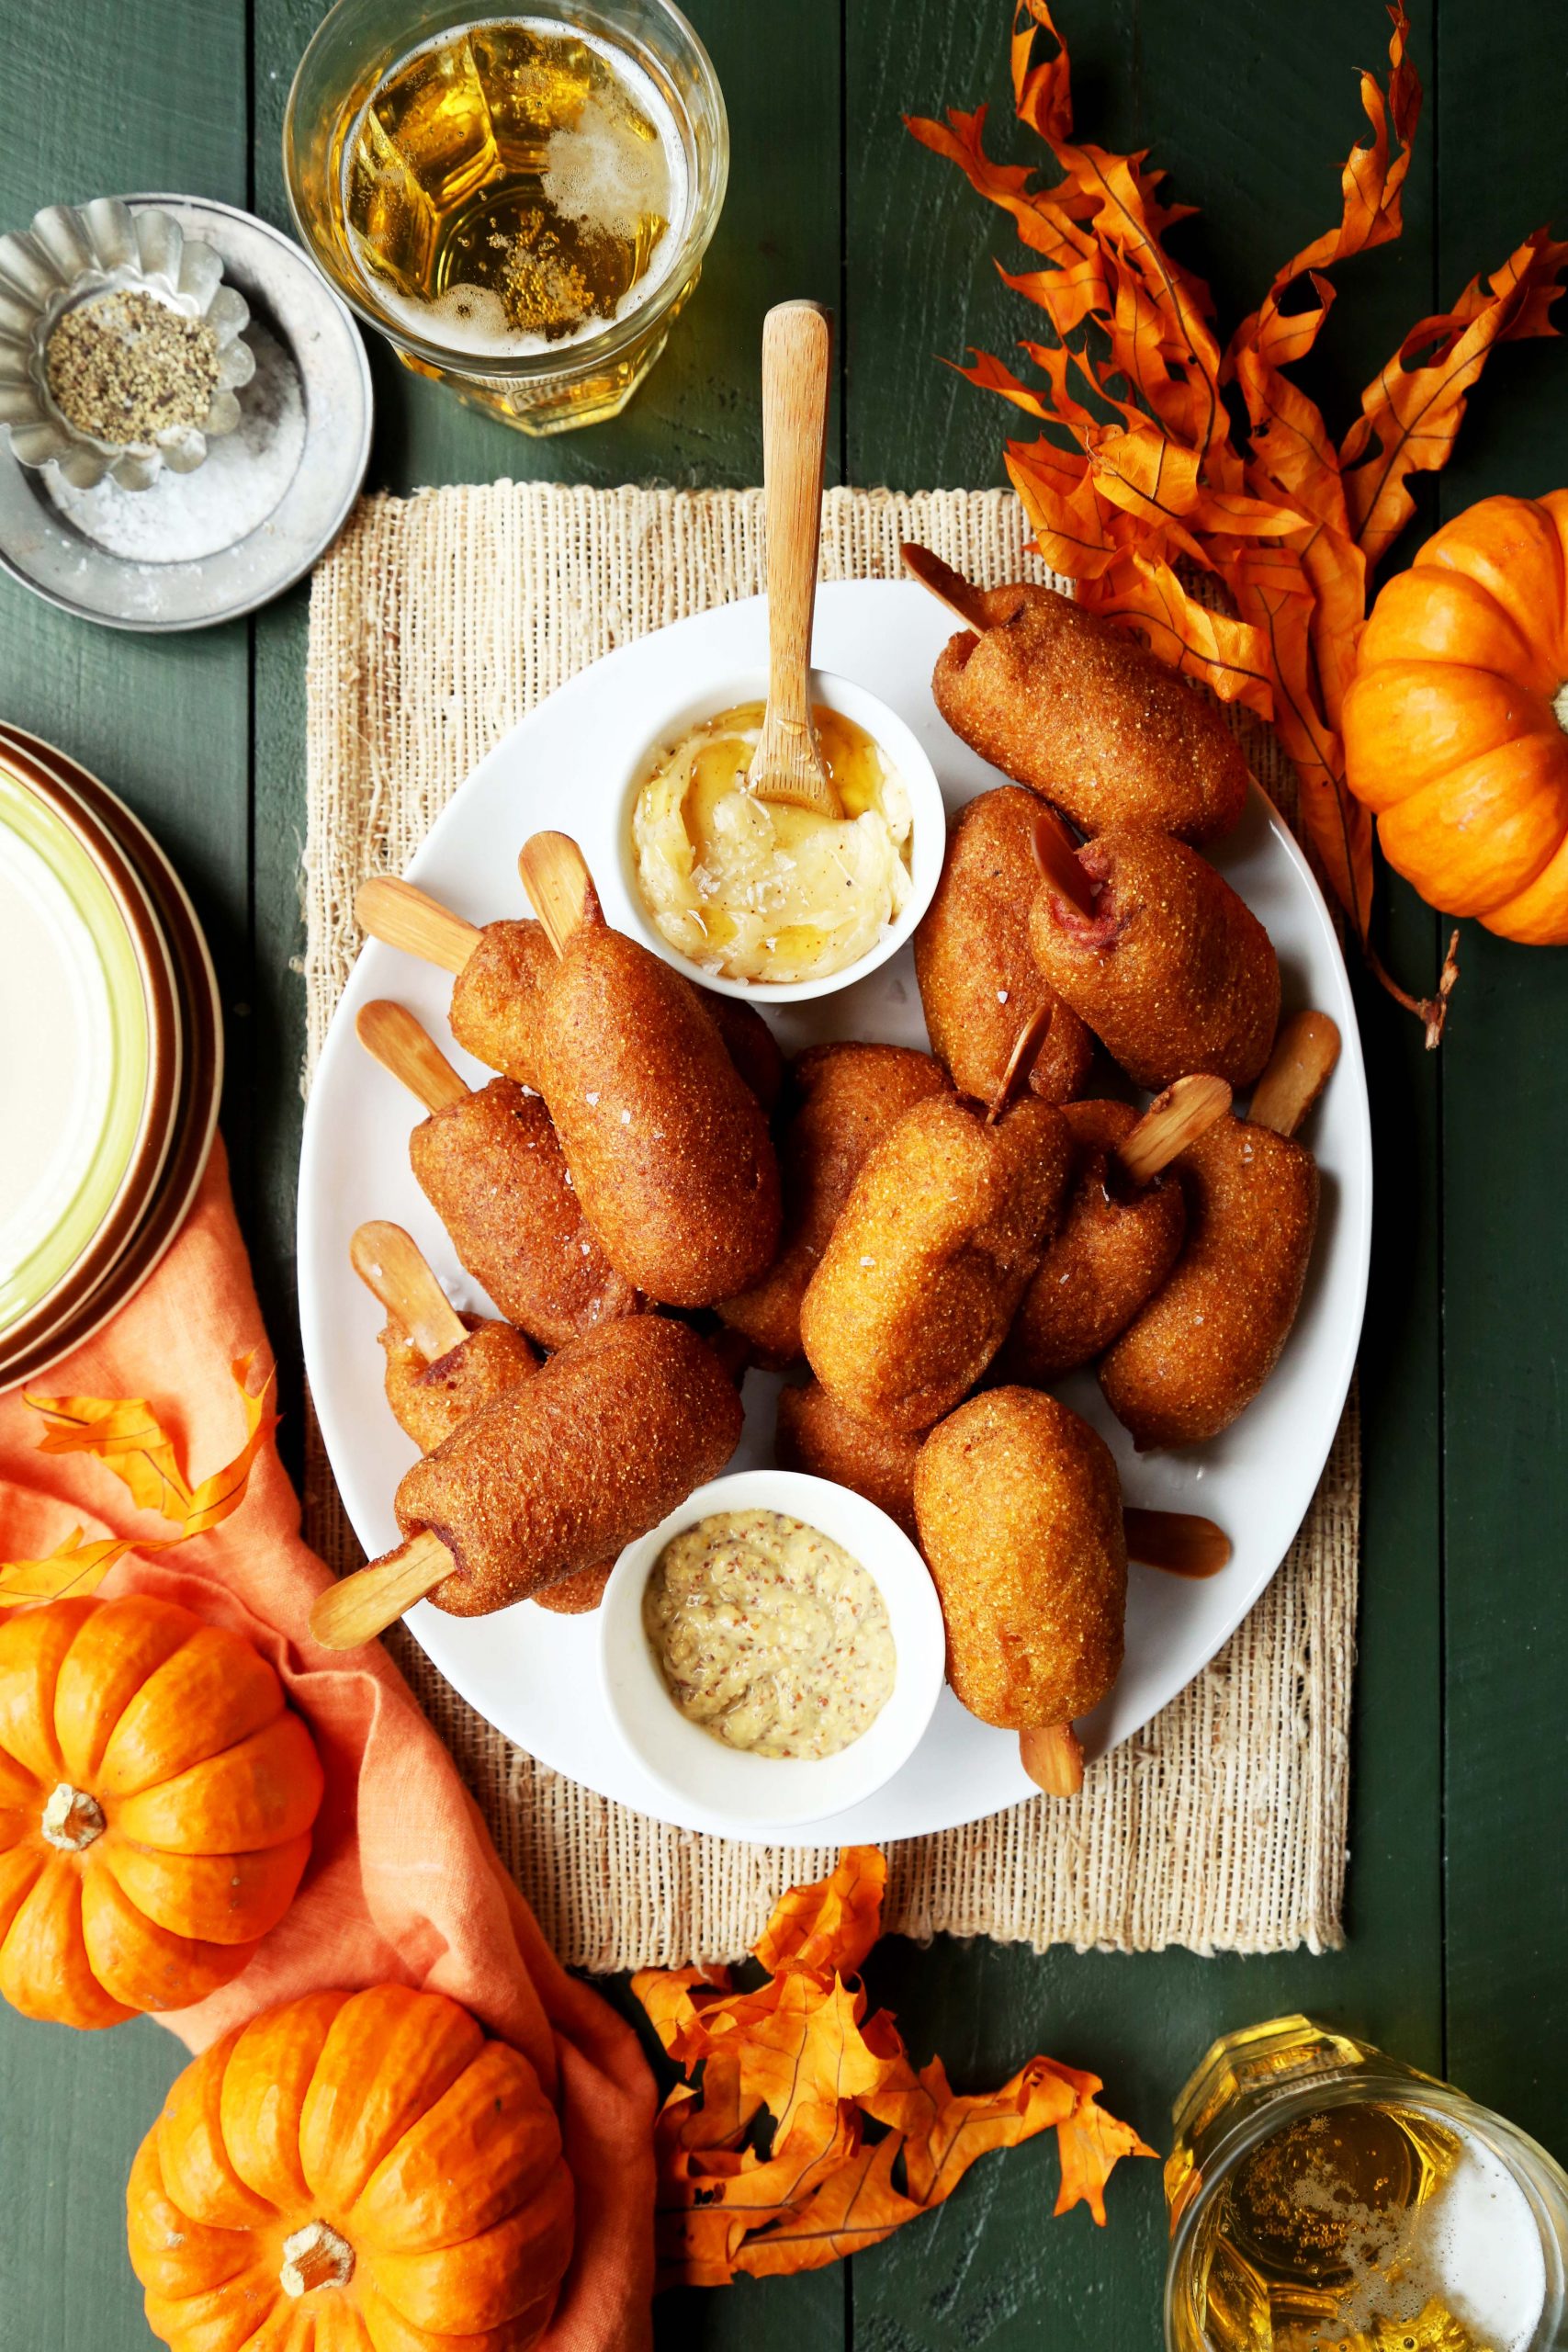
(788, 764)
(1026, 1045)
(1299, 1068)
(391, 1036)
(388, 1262)
(1057, 861)
(949, 587)
(401, 916)
(1052, 1755)
(364, 1604)
(1176, 1541)
(560, 886)
(1173, 1120)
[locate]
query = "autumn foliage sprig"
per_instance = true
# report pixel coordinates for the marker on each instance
(1144, 461)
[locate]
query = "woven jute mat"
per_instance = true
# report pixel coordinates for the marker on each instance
(435, 623)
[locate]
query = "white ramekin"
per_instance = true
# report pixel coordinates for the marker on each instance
(897, 742)
(740, 1795)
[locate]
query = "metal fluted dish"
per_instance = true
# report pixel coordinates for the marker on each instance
(75, 257)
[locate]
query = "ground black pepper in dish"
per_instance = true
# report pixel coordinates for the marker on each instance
(125, 368)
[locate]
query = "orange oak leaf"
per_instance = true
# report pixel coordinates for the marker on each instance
(766, 2162)
(128, 1438)
(1144, 595)
(1414, 404)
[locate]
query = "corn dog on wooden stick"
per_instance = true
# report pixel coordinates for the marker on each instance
(490, 1166)
(443, 1366)
(1198, 1353)
(667, 1148)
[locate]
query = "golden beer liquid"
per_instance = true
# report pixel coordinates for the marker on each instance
(1314, 2239)
(512, 160)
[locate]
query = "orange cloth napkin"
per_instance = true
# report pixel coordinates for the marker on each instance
(403, 1885)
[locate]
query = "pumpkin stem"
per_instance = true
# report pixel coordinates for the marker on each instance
(315, 2256)
(1431, 1011)
(72, 1818)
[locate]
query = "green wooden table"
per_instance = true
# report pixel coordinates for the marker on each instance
(1458, 1913)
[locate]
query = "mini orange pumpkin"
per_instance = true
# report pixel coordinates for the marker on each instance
(1454, 723)
(355, 2172)
(156, 1796)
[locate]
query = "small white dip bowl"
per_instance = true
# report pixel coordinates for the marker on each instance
(899, 747)
(735, 1793)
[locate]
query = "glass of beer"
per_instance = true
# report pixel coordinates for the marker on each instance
(519, 204)
(1324, 2195)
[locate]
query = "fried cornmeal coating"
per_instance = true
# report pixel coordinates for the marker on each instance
(1084, 714)
(429, 1399)
(1173, 972)
(566, 1469)
(1209, 1339)
(491, 1168)
(937, 1243)
(815, 1434)
(495, 997)
(1019, 1511)
(1114, 1246)
(574, 1596)
(495, 1001)
(979, 980)
(668, 1147)
(849, 1096)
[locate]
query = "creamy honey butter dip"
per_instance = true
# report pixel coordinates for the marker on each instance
(768, 1635)
(754, 889)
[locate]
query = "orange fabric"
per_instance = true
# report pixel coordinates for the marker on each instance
(404, 1885)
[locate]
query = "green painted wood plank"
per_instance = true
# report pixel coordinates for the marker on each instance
(987, 2271)
(164, 722)
(1505, 1293)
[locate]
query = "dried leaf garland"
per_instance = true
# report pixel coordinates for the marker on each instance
(1143, 462)
(800, 2054)
(126, 1437)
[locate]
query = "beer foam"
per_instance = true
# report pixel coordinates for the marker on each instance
(605, 173)
(1472, 2248)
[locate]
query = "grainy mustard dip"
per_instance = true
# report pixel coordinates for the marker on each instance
(768, 1635)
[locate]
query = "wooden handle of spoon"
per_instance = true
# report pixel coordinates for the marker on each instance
(391, 1034)
(364, 1604)
(1176, 1541)
(1059, 862)
(560, 886)
(1173, 1120)
(1052, 1755)
(401, 916)
(388, 1262)
(1299, 1068)
(796, 343)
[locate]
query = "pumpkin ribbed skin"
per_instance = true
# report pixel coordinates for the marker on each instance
(1454, 720)
(156, 1797)
(417, 2164)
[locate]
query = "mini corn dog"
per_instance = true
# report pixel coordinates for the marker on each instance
(443, 1366)
(817, 1435)
(979, 984)
(567, 1468)
(849, 1096)
(1020, 1512)
(491, 1168)
(933, 1251)
(1170, 969)
(1199, 1353)
(1120, 1232)
(668, 1149)
(1080, 711)
(499, 971)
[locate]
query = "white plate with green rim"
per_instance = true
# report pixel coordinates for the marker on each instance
(85, 1046)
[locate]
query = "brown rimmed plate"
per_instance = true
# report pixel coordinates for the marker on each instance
(196, 1111)
(141, 963)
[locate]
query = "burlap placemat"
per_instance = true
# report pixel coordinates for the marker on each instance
(435, 623)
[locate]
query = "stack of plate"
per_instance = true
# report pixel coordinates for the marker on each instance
(111, 1055)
